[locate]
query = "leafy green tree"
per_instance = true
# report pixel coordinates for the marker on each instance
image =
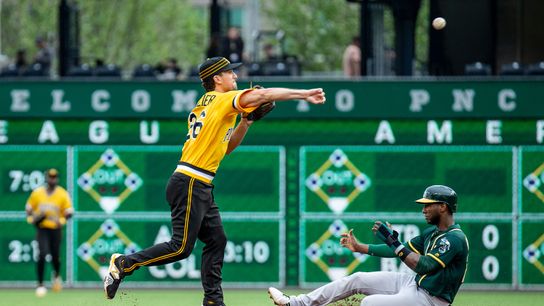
(22, 21)
(124, 32)
(422, 37)
(317, 32)
(131, 32)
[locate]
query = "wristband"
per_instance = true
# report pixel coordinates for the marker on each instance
(399, 248)
(403, 252)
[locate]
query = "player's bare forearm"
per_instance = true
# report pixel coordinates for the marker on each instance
(238, 135)
(361, 248)
(254, 98)
(350, 242)
(411, 260)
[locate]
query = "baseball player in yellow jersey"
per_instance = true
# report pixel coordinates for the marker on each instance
(212, 133)
(48, 208)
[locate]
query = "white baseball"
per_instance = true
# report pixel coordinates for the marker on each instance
(439, 23)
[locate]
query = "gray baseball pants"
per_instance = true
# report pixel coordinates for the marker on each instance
(380, 288)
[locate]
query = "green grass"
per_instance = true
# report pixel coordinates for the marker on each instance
(233, 297)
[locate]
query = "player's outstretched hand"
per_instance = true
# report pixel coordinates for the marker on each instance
(377, 226)
(386, 234)
(349, 241)
(316, 96)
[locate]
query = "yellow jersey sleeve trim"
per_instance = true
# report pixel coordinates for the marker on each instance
(413, 248)
(236, 102)
(438, 260)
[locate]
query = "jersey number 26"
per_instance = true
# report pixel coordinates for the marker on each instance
(195, 126)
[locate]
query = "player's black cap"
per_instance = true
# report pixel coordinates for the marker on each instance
(439, 194)
(215, 65)
(52, 172)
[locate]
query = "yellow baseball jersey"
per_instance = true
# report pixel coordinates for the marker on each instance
(53, 206)
(211, 124)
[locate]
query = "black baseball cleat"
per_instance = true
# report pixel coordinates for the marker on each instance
(114, 276)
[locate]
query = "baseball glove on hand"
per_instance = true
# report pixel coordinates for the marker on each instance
(36, 219)
(261, 111)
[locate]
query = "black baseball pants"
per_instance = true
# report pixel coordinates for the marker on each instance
(48, 243)
(194, 215)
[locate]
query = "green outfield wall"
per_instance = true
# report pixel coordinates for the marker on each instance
(280, 132)
(446, 98)
(283, 217)
(302, 177)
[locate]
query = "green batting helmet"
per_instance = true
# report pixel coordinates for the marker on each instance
(440, 194)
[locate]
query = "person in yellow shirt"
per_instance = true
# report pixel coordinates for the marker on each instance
(48, 208)
(212, 133)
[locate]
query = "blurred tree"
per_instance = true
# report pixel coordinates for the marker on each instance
(422, 38)
(24, 20)
(319, 30)
(130, 32)
(124, 32)
(316, 31)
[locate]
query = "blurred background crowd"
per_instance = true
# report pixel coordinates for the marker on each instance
(166, 39)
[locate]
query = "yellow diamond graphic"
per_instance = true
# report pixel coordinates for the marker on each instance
(534, 180)
(338, 182)
(534, 251)
(328, 259)
(109, 234)
(109, 181)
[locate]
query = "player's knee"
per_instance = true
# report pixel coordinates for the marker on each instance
(358, 276)
(220, 240)
(178, 249)
(175, 244)
(214, 238)
(353, 282)
(187, 250)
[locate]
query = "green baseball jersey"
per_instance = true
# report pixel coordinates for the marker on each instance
(450, 249)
